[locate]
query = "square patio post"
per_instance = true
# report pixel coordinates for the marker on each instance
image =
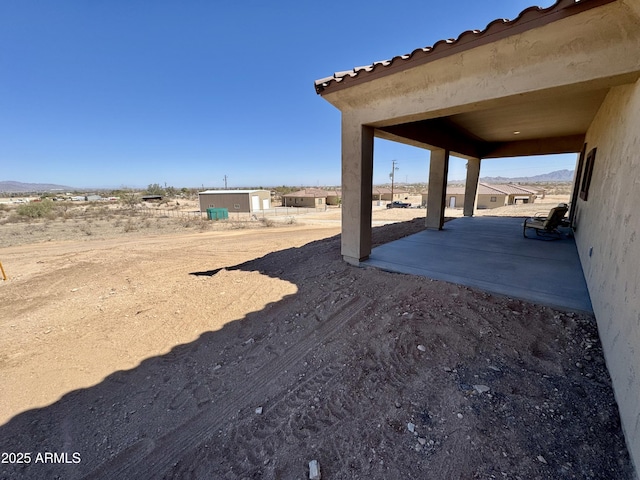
(357, 189)
(438, 170)
(471, 186)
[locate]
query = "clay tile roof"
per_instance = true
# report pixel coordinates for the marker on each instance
(490, 189)
(385, 190)
(511, 189)
(529, 18)
(308, 193)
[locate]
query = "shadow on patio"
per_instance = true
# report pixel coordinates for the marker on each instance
(491, 254)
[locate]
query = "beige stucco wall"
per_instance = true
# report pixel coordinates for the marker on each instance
(484, 200)
(608, 241)
(386, 197)
(307, 202)
(459, 200)
(333, 200)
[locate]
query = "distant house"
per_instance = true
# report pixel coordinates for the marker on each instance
(152, 198)
(243, 201)
(334, 197)
(489, 196)
(308, 197)
(384, 194)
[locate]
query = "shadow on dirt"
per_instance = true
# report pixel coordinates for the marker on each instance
(375, 375)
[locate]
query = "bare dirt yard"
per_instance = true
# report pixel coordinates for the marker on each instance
(182, 350)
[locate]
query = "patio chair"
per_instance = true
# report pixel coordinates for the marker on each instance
(547, 226)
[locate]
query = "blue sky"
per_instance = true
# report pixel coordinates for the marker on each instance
(127, 93)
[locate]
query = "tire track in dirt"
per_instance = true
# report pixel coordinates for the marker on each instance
(285, 421)
(151, 459)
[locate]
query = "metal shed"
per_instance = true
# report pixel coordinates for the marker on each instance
(243, 201)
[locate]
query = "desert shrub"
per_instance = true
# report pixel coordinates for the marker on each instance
(15, 218)
(267, 222)
(35, 209)
(130, 226)
(129, 198)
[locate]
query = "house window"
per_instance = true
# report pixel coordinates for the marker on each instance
(494, 199)
(586, 178)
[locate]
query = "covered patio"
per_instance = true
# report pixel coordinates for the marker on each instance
(505, 91)
(562, 79)
(490, 253)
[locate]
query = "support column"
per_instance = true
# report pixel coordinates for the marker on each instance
(471, 186)
(438, 170)
(357, 186)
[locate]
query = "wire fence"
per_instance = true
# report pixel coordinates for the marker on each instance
(237, 216)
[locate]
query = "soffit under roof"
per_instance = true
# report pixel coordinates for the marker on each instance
(551, 123)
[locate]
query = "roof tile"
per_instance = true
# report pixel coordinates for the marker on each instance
(465, 40)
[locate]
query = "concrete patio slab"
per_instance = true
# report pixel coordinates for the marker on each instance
(491, 254)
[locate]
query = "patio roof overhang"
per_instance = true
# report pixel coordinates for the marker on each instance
(531, 86)
(548, 122)
(525, 87)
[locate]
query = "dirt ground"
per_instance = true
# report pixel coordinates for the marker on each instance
(181, 350)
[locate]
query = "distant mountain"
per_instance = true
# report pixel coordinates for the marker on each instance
(557, 176)
(560, 176)
(9, 186)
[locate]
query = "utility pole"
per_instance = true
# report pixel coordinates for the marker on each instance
(393, 175)
(225, 182)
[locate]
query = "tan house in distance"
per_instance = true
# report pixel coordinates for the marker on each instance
(334, 197)
(383, 194)
(562, 79)
(307, 197)
(489, 196)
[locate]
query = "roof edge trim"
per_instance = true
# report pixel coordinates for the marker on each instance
(528, 19)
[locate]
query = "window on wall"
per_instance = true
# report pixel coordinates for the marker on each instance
(494, 199)
(588, 172)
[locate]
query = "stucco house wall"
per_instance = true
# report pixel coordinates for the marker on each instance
(307, 202)
(609, 247)
(489, 196)
(307, 198)
(384, 194)
(484, 201)
(491, 200)
(334, 197)
(458, 202)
